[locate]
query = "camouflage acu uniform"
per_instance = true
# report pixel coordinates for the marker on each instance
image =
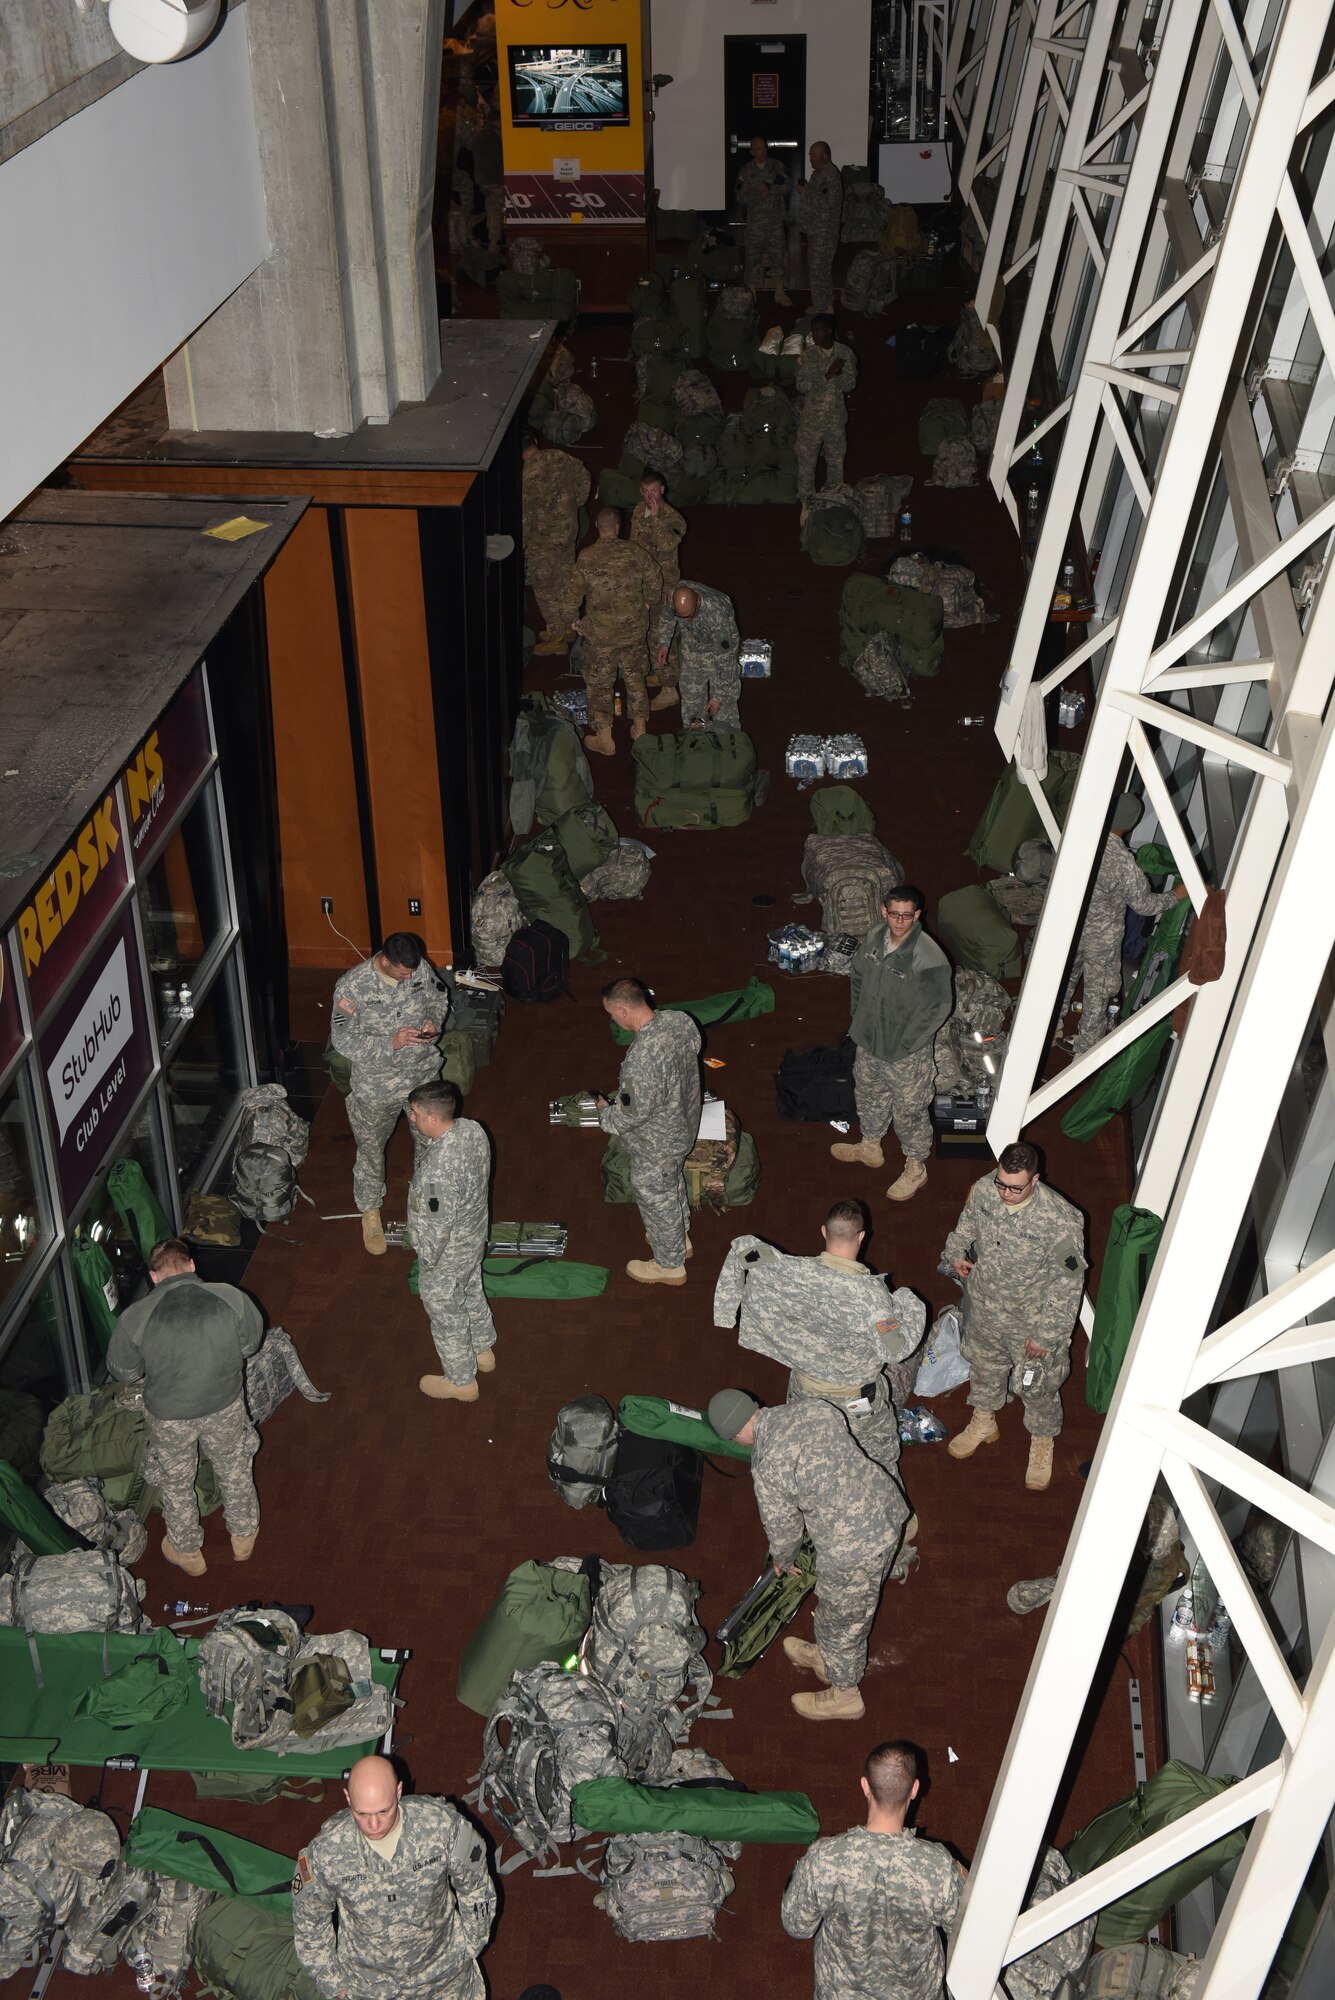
(656, 1115)
(1026, 1284)
(189, 1341)
(822, 419)
(368, 1011)
(619, 585)
(660, 534)
(876, 1904)
(710, 669)
(762, 190)
(834, 1323)
(448, 1219)
(819, 206)
(1120, 885)
(555, 487)
(900, 997)
(413, 1925)
(812, 1477)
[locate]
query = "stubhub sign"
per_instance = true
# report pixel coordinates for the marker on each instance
(96, 1052)
(83, 1076)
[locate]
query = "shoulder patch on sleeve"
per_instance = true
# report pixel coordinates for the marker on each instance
(887, 1326)
(302, 1875)
(345, 1006)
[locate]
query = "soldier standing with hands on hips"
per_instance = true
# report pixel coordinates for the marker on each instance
(387, 1017)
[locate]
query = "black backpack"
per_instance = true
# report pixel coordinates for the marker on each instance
(817, 1083)
(536, 965)
(653, 1495)
(921, 351)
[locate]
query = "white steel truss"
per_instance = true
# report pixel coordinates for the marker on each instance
(1173, 252)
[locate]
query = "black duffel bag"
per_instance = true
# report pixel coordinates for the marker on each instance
(817, 1083)
(653, 1494)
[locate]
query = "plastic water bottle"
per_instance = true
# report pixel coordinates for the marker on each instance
(1068, 575)
(186, 1002)
(1032, 500)
(181, 1607)
(593, 368)
(973, 722)
(140, 1962)
(906, 526)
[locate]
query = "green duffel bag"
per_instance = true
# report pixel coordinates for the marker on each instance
(647, 297)
(1133, 1241)
(701, 778)
(137, 1206)
(688, 297)
(768, 416)
(661, 412)
(656, 374)
(977, 933)
(699, 427)
(337, 1068)
(565, 781)
(27, 1515)
(689, 489)
(732, 449)
(659, 335)
(457, 1063)
(545, 887)
(97, 1288)
(1174, 1790)
(943, 417)
(833, 535)
(726, 489)
(246, 1953)
(706, 758)
(616, 1805)
(541, 1614)
(740, 1180)
(162, 1843)
(743, 1003)
(588, 837)
(676, 225)
(839, 809)
(721, 263)
(656, 1417)
(1011, 817)
(535, 1278)
(733, 349)
(618, 489)
(96, 1437)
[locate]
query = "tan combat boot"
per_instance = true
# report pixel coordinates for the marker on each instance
(1038, 1472)
(373, 1233)
(913, 1177)
(243, 1546)
(781, 297)
(980, 1429)
(444, 1391)
(666, 698)
(486, 1361)
(191, 1561)
(866, 1152)
(600, 742)
(805, 1653)
(548, 648)
(830, 1705)
(637, 729)
(647, 1271)
(690, 1248)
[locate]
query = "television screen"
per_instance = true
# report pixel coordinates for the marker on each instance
(554, 84)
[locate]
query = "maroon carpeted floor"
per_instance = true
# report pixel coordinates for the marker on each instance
(403, 1517)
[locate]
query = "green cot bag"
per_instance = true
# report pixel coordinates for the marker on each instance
(137, 1206)
(535, 1278)
(337, 1068)
(29, 1517)
(618, 489)
(1133, 1241)
(162, 1843)
(545, 887)
(977, 933)
(457, 1062)
(743, 1003)
(1011, 817)
(143, 1690)
(246, 1953)
(97, 1287)
(1174, 1790)
(943, 417)
(588, 835)
(715, 1812)
(768, 1607)
(656, 1417)
(541, 1614)
(839, 809)
(255, 1788)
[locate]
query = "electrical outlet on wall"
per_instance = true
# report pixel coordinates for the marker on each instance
(327, 905)
(414, 906)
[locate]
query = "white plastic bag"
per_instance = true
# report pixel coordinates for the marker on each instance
(943, 1366)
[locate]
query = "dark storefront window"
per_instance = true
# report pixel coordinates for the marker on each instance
(182, 908)
(24, 1222)
(205, 1076)
(32, 1372)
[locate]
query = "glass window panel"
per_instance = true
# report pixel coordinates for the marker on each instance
(181, 899)
(101, 1222)
(204, 1078)
(24, 1221)
(32, 1375)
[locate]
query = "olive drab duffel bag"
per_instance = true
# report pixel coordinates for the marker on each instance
(542, 1613)
(977, 933)
(832, 534)
(588, 836)
(703, 778)
(547, 890)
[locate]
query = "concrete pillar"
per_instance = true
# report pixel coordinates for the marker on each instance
(339, 326)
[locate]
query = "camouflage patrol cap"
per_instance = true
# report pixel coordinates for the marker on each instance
(1127, 812)
(730, 1411)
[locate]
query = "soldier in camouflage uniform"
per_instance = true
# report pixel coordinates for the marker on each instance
(656, 1115)
(407, 1880)
(1018, 1250)
(900, 981)
(827, 374)
(189, 1341)
(762, 190)
(819, 207)
(1119, 885)
(812, 1478)
(877, 1898)
(704, 625)
(835, 1324)
(386, 1020)
(660, 529)
(555, 487)
(619, 586)
(448, 1219)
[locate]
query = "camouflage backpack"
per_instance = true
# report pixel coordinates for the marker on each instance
(247, 1659)
(273, 1373)
(652, 446)
(976, 1029)
(647, 1646)
(880, 669)
(863, 215)
(737, 302)
(1039, 1974)
(871, 282)
(623, 877)
(971, 351)
(723, 1173)
(951, 582)
(852, 874)
(695, 395)
(550, 1730)
(495, 918)
(82, 1505)
(271, 1143)
(878, 499)
(955, 464)
(572, 415)
(1034, 861)
(166, 1930)
(527, 256)
(661, 1886)
(84, 1591)
(60, 1869)
(984, 423)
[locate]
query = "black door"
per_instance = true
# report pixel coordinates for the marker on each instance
(764, 97)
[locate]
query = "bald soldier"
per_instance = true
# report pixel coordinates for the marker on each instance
(620, 586)
(704, 624)
(407, 1881)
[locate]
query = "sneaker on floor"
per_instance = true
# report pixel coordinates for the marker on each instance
(190, 1560)
(243, 1546)
(646, 1271)
(830, 1705)
(443, 1390)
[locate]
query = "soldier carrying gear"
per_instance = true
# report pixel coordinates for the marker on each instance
(1018, 1250)
(656, 1114)
(448, 1220)
(827, 374)
(386, 1019)
(1120, 885)
(710, 678)
(619, 585)
(762, 190)
(820, 206)
(555, 487)
(813, 1478)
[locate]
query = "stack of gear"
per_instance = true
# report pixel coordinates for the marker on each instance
(306, 1693)
(955, 464)
(915, 619)
(757, 452)
(531, 289)
(720, 1173)
(622, 877)
(731, 330)
(1021, 894)
(271, 1143)
(871, 282)
(664, 1884)
(102, 1436)
(571, 415)
(879, 670)
(943, 436)
(862, 218)
(701, 779)
(549, 773)
(547, 888)
(951, 582)
(61, 1870)
(851, 874)
(832, 531)
(971, 1047)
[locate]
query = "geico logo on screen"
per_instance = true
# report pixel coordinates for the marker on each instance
(73, 876)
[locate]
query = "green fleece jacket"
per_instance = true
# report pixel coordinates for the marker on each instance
(900, 999)
(189, 1341)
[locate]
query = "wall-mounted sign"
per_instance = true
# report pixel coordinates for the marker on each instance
(73, 903)
(165, 767)
(533, 198)
(565, 170)
(764, 91)
(96, 1055)
(11, 1027)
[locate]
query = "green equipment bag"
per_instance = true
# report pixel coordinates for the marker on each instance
(1133, 1240)
(29, 1517)
(457, 1061)
(914, 618)
(535, 1278)
(769, 418)
(977, 933)
(688, 297)
(718, 1813)
(734, 1187)
(943, 417)
(647, 297)
(1136, 1972)
(656, 1417)
(137, 1206)
(97, 1288)
(247, 1953)
(545, 887)
(700, 429)
(744, 1003)
(617, 489)
(676, 225)
(1174, 1790)
(143, 1690)
(588, 836)
(255, 1788)
(161, 1843)
(541, 1614)
(689, 488)
(659, 334)
(99, 1437)
(1011, 817)
(832, 535)
(839, 809)
(701, 779)
(758, 1618)
(337, 1068)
